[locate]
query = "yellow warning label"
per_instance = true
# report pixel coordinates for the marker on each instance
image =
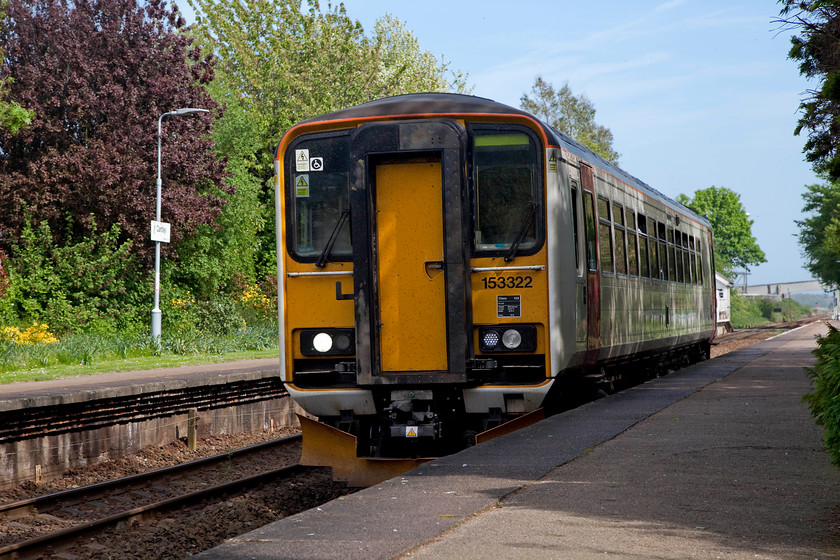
(410, 431)
(302, 186)
(552, 162)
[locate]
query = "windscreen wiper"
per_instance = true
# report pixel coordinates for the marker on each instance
(523, 231)
(322, 258)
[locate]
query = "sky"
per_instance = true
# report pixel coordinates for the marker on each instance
(697, 93)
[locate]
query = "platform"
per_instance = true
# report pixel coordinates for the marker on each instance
(48, 427)
(719, 460)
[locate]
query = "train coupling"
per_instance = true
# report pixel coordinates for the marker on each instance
(411, 416)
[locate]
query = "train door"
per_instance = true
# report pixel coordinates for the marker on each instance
(581, 327)
(408, 212)
(410, 282)
(593, 279)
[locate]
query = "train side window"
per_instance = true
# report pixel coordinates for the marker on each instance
(576, 225)
(632, 245)
(620, 238)
(678, 248)
(686, 255)
(604, 237)
(589, 222)
(655, 269)
(663, 251)
(693, 259)
(505, 177)
(643, 246)
(672, 256)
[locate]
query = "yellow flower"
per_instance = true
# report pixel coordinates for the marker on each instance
(37, 333)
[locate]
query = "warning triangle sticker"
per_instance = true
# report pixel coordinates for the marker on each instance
(411, 433)
(301, 182)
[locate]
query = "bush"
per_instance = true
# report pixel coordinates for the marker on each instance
(90, 285)
(824, 401)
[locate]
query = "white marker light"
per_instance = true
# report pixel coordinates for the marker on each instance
(322, 342)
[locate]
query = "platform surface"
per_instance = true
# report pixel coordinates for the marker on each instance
(719, 460)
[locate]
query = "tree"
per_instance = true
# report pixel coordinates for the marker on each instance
(13, 117)
(819, 233)
(282, 61)
(735, 246)
(97, 74)
(817, 48)
(573, 116)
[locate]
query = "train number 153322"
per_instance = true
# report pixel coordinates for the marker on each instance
(507, 282)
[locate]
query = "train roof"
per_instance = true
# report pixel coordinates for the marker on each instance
(455, 103)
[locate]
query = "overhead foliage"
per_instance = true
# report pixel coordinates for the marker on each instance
(735, 247)
(571, 115)
(817, 48)
(280, 62)
(13, 117)
(819, 232)
(98, 74)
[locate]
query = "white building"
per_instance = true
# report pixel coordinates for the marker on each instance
(722, 287)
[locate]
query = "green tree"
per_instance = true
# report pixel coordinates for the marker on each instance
(819, 232)
(735, 246)
(280, 62)
(571, 115)
(817, 48)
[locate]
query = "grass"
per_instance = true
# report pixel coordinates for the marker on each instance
(91, 354)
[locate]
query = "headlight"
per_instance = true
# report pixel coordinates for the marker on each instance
(511, 339)
(322, 342)
(327, 342)
(507, 338)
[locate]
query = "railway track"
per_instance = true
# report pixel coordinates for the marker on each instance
(79, 512)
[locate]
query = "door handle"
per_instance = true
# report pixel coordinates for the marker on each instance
(433, 265)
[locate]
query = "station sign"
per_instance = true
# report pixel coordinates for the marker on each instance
(160, 231)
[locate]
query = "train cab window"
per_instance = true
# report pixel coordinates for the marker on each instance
(632, 245)
(506, 181)
(620, 239)
(604, 237)
(644, 265)
(318, 188)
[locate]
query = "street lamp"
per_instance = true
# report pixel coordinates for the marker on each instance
(160, 231)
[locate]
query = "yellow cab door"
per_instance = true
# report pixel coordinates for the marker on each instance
(409, 256)
(409, 267)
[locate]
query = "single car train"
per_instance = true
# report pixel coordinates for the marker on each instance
(445, 261)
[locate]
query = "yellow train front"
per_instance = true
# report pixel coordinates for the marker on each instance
(442, 261)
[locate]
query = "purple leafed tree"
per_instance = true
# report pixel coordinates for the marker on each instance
(98, 74)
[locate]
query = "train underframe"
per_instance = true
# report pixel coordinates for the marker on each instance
(431, 420)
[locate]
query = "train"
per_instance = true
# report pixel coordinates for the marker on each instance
(447, 263)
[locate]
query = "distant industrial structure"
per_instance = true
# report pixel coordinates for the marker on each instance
(784, 290)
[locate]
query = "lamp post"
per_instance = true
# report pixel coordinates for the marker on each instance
(156, 314)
